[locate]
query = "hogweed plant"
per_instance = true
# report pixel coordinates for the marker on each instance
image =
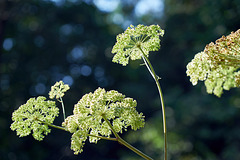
(101, 114)
(136, 43)
(96, 116)
(106, 114)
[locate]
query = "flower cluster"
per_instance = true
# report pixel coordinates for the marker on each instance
(226, 50)
(217, 65)
(33, 117)
(91, 112)
(58, 90)
(129, 43)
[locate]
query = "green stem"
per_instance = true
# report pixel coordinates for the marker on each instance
(121, 141)
(53, 126)
(156, 78)
(62, 128)
(101, 137)
(63, 109)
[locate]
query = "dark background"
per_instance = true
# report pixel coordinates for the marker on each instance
(43, 41)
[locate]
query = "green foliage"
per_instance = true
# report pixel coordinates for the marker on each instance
(32, 116)
(58, 90)
(128, 43)
(93, 109)
(217, 65)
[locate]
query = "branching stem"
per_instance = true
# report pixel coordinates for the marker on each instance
(156, 78)
(101, 137)
(64, 129)
(118, 138)
(123, 142)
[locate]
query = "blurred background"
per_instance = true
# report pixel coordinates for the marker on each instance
(44, 41)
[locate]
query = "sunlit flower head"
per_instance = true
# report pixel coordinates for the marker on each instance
(28, 117)
(129, 43)
(58, 90)
(88, 118)
(218, 65)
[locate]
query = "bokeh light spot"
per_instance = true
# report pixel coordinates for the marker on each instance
(40, 88)
(106, 5)
(8, 44)
(144, 7)
(68, 80)
(86, 70)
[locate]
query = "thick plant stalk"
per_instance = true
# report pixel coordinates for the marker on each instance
(117, 138)
(156, 78)
(121, 141)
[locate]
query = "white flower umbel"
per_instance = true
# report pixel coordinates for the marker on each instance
(96, 112)
(218, 65)
(33, 117)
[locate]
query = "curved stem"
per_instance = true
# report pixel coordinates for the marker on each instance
(156, 78)
(121, 141)
(63, 109)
